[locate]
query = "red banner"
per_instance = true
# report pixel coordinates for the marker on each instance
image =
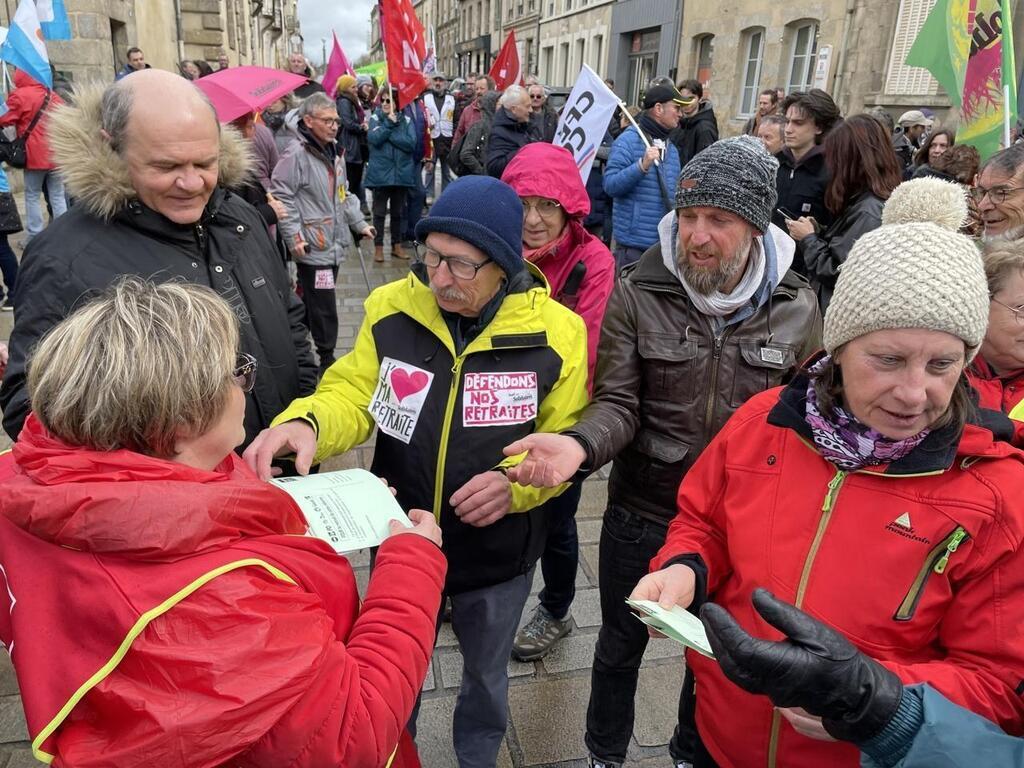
(507, 69)
(405, 47)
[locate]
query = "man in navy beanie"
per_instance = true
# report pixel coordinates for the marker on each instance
(463, 356)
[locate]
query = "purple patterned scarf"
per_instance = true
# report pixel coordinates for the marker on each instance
(846, 442)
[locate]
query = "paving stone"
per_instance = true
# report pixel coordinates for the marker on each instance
(446, 637)
(549, 719)
(657, 699)
(586, 608)
(428, 682)
(451, 669)
(12, 720)
(589, 531)
(434, 735)
(19, 758)
(662, 648)
(359, 559)
(8, 680)
(362, 579)
(593, 500)
(590, 556)
(572, 652)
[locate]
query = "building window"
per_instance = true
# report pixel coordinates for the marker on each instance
(803, 56)
(578, 61)
(565, 63)
(510, 11)
(486, 19)
(753, 47)
(548, 63)
(901, 79)
(705, 45)
(568, 5)
(596, 49)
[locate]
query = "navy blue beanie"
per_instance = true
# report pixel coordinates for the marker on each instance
(486, 213)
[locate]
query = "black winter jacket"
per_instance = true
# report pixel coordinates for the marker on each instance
(507, 137)
(351, 132)
(109, 233)
(695, 133)
(824, 253)
(801, 186)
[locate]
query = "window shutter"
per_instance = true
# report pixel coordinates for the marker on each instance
(901, 79)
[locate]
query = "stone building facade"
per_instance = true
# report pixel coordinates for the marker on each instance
(250, 32)
(854, 49)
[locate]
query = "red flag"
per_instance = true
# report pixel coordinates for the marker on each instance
(402, 35)
(336, 67)
(506, 69)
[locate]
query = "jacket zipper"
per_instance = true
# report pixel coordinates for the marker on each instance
(716, 362)
(826, 514)
(446, 428)
(935, 562)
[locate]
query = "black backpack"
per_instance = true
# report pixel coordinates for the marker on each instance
(455, 163)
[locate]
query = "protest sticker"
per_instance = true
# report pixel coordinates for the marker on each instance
(324, 279)
(499, 399)
(399, 397)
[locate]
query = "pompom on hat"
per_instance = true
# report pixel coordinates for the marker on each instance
(915, 271)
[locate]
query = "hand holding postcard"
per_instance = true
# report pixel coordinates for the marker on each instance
(350, 509)
(678, 624)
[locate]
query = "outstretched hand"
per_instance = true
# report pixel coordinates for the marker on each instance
(815, 668)
(550, 459)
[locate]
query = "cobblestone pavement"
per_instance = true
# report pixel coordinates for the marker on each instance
(547, 699)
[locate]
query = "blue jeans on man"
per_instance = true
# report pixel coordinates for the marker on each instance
(34, 181)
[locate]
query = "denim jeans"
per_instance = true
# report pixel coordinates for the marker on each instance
(628, 542)
(446, 176)
(414, 200)
(34, 199)
(8, 266)
(625, 255)
(561, 555)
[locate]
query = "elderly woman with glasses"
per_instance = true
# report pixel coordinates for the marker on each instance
(390, 171)
(581, 272)
(997, 373)
(161, 605)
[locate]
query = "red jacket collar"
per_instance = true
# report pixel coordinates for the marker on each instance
(125, 503)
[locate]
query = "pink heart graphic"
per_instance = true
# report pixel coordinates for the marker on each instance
(404, 384)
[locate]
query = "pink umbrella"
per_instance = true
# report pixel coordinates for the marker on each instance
(237, 91)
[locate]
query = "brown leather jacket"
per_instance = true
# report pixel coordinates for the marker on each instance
(665, 385)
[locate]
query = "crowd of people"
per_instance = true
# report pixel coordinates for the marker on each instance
(801, 351)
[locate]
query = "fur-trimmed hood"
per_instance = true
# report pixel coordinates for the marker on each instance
(96, 176)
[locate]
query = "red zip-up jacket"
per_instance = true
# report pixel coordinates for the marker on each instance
(1000, 393)
(161, 615)
(919, 563)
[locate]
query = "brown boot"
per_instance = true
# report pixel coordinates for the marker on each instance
(398, 253)
(378, 253)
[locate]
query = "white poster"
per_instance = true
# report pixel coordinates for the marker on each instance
(585, 119)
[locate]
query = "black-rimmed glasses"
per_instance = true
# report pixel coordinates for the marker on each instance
(244, 373)
(997, 195)
(460, 268)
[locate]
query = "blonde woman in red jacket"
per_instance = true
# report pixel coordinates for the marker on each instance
(870, 493)
(160, 603)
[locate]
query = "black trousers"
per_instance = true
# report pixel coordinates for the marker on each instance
(354, 171)
(321, 310)
(383, 199)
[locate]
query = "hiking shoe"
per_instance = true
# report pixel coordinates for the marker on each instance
(593, 762)
(8, 305)
(539, 635)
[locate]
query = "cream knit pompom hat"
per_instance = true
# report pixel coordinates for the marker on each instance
(915, 271)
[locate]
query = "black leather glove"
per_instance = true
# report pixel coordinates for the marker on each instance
(815, 668)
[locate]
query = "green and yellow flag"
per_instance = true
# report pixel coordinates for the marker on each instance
(967, 45)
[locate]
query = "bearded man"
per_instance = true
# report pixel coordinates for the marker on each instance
(708, 317)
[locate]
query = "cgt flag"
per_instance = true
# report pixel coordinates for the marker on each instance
(585, 119)
(507, 69)
(405, 49)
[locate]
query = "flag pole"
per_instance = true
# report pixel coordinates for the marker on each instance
(643, 136)
(1006, 115)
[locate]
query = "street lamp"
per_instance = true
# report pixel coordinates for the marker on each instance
(323, 51)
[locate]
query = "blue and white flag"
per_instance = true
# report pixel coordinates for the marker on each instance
(585, 118)
(24, 46)
(53, 19)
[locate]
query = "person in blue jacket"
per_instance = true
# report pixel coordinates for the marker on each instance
(858, 700)
(390, 170)
(641, 177)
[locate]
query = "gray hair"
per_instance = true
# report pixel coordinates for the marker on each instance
(315, 102)
(512, 94)
(1010, 160)
(116, 109)
(139, 367)
(777, 120)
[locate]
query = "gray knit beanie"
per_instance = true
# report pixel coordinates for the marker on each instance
(735, 175)
(915, 271)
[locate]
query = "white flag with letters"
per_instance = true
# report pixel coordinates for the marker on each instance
(584, 120)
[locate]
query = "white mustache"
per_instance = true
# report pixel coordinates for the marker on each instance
(448, 294)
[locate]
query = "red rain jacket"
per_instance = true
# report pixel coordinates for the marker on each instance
(161, 615)
(919, 563)
(544, 170)
(1000, 393)
(22, 104)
